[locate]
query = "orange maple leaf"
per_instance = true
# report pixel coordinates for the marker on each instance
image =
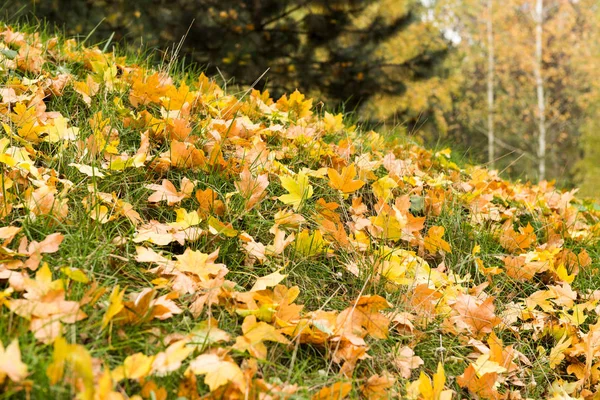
(377, 387)
(345, 181)
(475, 315)
(209, 203)
(480, 386)
(337, 391)
(514, 241)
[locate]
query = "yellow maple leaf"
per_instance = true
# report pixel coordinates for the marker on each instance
(434, 390)
(115, 305)
(333, 123)
(171, 359)
(219, 371)
(434, 241)
(563, 274)
(137, 366)
(299, 189)
(557, 352)
(59, 131)
(79, 361)
(309, 244)
(185, 219)
(390, 227)
(255, 334)
(382, 188)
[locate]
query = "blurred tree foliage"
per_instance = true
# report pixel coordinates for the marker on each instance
(342, 51)
(570, 76)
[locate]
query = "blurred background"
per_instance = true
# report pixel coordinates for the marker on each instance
(514, 84)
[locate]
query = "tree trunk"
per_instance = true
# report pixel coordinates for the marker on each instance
(539, 10)
(490, 86)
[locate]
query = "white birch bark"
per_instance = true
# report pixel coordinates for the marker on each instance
(539, 11)
(490, 86)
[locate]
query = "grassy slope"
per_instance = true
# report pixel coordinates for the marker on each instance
(248, 130)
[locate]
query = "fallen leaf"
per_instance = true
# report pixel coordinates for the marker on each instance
(11, 365)
(299, 189)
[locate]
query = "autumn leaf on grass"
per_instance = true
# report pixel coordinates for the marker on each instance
(150, 390)
(185, 219)
(429, 390)
(163, 234)
(45, 306)
(299, 189)
(145, 306)
(333, 123)
(309, 244)
(209, 203)
(11, 365)
(135, 366)
(79, 363)
(557, 352)
(405, 360)
(217, 227)
(252, 189)
(185, 155)
(344, 182)
(382, 188)
(171, 359)
(434, 241)
(87, 89)
(386, 226)
(276, 305)
(45, 200)
(75, 274)
(475, 315)
(50, 244)
(563, 274)
(200, 264)
(148, 89)
(296, 106)
(218, 371)
(88, 170)
(514, 241)
(479, 385)
(59, 131)
(115, 305)
(268, 281)
(255, 334)
(337, 391)
(502, 356)
(363, 318)
(207, 333)
(377, 387)
(519, 269)
(167, 192)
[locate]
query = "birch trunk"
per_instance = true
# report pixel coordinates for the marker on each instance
(539, 10)
(490, 85)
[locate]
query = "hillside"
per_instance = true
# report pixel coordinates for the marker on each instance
(164, 237)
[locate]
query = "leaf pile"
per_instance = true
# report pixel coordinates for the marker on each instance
(163, 238)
